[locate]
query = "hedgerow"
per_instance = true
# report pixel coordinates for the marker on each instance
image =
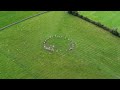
(113, 31)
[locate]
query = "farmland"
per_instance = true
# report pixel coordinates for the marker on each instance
(22, 55)
(8, 17)
(108, 18)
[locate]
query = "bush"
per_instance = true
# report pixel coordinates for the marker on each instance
(81, 16)
(70, 12)
(115, 32)
(75, 13)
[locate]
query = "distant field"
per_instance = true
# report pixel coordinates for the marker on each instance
(108, 18)
(96, 54)
(8, 17)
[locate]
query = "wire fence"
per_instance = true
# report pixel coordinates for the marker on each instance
(7, 26)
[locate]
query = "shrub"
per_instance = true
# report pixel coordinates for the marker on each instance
(70, 12)
(75, 13)
(115, 32)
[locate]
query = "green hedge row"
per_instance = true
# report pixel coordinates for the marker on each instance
(113, 31)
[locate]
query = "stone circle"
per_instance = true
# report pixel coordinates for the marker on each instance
(70, 45)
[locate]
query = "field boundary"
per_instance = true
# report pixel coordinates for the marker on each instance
(24, 19)
(98, 24)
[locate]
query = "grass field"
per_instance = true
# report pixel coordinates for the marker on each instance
(108, 18)
(96, 54)
(8, 17)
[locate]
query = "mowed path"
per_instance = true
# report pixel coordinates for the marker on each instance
(96, 55)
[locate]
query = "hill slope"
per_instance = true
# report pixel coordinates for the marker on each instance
(96, 54)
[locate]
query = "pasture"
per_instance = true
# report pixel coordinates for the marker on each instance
(22, 55)
(108, 18)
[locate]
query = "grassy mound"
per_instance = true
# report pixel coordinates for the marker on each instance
(96, 55)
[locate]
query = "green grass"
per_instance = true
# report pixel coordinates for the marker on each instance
(60, 44)
(8, 17)
(96, 55)
(108, 18)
